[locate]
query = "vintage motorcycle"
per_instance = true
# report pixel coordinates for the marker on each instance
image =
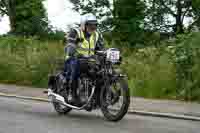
(100, 86)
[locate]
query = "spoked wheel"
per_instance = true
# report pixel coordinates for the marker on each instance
(115, 100)
(59, 108)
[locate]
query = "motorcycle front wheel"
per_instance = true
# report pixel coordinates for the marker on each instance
(115, 100)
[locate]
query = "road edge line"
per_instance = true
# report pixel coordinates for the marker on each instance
(164, 115)
(24, 97)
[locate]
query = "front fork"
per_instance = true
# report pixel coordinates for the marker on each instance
(112, 93)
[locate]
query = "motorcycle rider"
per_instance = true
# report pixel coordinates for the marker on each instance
(81, 42)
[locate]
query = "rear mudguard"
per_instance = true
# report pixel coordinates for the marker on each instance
(52, 81)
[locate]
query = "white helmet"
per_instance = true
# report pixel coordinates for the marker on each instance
(88, 19)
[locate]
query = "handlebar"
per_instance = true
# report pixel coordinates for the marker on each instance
(102, 52)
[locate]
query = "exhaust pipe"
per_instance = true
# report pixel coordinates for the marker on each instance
(60, 99)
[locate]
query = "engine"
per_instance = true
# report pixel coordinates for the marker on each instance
(84, 89)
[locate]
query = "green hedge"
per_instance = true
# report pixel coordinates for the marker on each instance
(27, 61)
(170, 71)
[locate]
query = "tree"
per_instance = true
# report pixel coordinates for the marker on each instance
(27, 17)
(7, 7)
(122, 17)
(31, 17)
(129, 18)
(196, 14)
(103, 9)
(168, 15)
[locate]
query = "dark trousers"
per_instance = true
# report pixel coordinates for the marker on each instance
(72, 71)
(72, 68)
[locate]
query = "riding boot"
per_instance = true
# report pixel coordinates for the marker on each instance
(75, 97)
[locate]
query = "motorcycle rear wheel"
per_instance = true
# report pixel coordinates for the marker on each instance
(61, 110)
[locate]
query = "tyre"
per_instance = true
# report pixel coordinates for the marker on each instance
(61, 110)
(109, 98)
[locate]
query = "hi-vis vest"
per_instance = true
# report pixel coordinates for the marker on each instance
(87, 47)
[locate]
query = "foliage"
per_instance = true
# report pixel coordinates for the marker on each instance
(27, 17)
(31, 18)
(150, 72)
(170, 71)
(28, 61)
(160, 15)
(101, 8)
(196, 14)
(168, 15)
(55, 35)
(128, 21)
(185, 53)
(123, 16)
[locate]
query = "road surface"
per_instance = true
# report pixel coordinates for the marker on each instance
(23, 116)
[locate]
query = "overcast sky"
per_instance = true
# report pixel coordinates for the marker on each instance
(60, 15)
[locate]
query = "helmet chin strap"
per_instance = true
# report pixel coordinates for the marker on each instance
(86, 32)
